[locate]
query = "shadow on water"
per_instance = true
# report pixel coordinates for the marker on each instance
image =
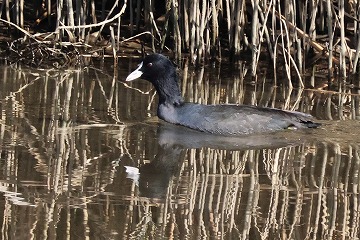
(69, 139)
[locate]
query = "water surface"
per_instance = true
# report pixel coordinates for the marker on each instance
(68, 138)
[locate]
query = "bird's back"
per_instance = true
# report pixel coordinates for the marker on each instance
(234, 119)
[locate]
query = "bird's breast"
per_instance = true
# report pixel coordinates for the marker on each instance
(167, 112)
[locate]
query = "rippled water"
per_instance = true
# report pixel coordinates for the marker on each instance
(84, 156)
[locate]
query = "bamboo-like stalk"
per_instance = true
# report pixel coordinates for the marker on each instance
(238, 24)
(200, 29)
(254, 36)
(59, 18)
(48, 11)
(166, 26)
(178, 38)
(342, 39)
(312, 28)
(15, 10)
(265, 30)
(215, 27)
(113, 45)
(21, 13)
(193, 21)
(92, 11)
(283, 47)
(186, 25)
(5, 8)
(70, 13)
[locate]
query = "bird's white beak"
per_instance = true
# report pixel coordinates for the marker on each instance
(135, 74)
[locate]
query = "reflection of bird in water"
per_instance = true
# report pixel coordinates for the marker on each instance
(156, 175)
(174, 141)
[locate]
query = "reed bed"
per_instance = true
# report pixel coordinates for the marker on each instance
(65, 139)
(293, 36)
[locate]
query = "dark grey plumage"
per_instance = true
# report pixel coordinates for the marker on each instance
(225, 119)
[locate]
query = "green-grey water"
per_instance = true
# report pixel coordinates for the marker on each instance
(68, 138)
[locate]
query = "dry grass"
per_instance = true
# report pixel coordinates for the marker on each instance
(292, 35)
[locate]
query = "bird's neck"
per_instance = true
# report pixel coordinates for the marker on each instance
(169, 94)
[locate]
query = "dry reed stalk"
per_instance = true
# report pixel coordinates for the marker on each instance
(312, 28)
(301, 45)
(92, 11)
(357, 54)
(254, 36)
(177, 34)
(21, 12)
(113, 46)
(265, 30)
(201, 87)
(166, 26)
(118, 33)
(239, 23)
(7, 10)
(283, 27)
(200, 30)
(193, 22)
(275, 59)
(70, 13)
(299, 55)
(291, 59)
(342, 65)
(228, 21)
(215, 27)
(296, 56)
(59, 19)
(186, 23)
(15, 11)
(207, 38)
(148, 9)
(77, 17)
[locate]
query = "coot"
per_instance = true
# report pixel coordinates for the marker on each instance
(225, 119)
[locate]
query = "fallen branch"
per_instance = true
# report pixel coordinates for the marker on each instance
(331, 92)
(20, 29)
(314, 44)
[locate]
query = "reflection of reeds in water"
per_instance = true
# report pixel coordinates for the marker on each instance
(49, 117)
(272, 189)
(65, 137)
(283, 193)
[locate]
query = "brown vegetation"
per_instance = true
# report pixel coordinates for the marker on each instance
(291, 35)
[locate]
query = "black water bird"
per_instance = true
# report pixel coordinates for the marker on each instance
(224, 119)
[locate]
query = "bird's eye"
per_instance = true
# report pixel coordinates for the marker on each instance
(149, 64)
